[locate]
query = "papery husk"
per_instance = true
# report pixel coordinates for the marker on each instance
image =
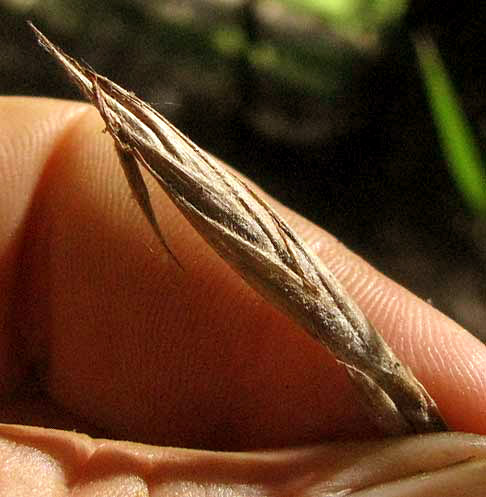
(259, 245)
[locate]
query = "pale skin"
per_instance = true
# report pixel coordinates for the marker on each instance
(103, 333)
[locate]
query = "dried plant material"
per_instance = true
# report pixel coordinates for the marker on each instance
(250, 236)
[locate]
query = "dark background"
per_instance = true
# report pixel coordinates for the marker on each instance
(338, 127)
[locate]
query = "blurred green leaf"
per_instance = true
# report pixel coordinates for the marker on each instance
(354, 17)
(457, 140)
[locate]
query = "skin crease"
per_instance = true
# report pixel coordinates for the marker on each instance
(103, 333)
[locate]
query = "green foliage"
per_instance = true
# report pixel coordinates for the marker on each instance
(352, 19)
(457, 140)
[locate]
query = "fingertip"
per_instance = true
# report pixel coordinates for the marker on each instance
(111, 299)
